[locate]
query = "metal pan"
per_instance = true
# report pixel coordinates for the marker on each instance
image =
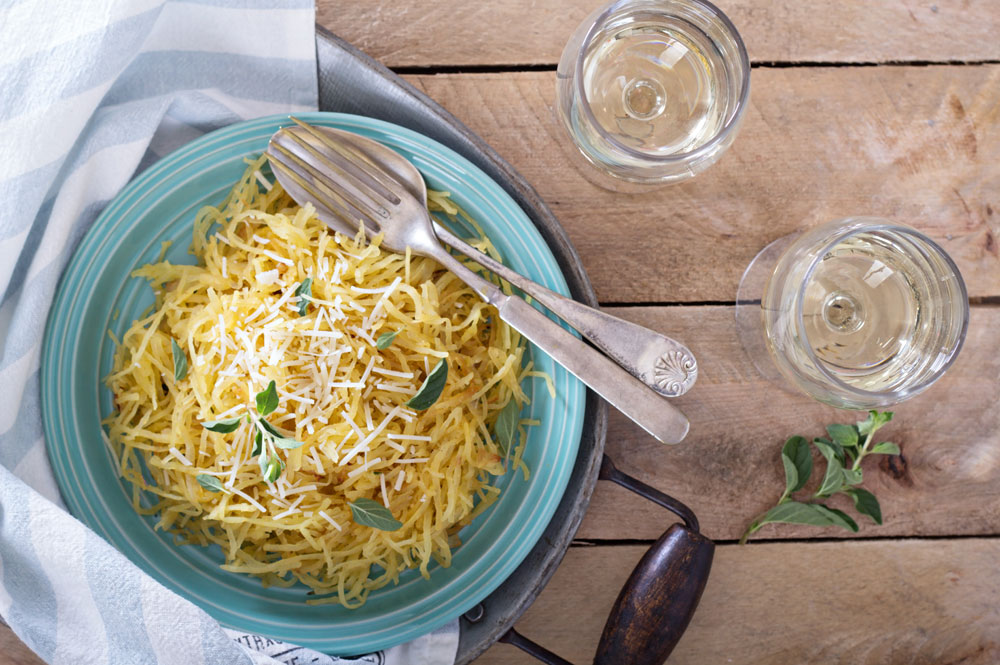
(660, 597)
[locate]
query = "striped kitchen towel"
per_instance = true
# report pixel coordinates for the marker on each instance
(90, 94)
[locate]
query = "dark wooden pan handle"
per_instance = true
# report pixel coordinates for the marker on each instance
(660, 597)
(658, 600)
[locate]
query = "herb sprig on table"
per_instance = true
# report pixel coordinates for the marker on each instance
(843, 450)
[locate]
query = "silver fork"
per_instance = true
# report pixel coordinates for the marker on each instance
(347, 190)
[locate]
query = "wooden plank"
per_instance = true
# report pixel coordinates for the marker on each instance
(920, 145)
(454, 33)
(919, 602)
(915, 602)
(729, 470)
(13, 651)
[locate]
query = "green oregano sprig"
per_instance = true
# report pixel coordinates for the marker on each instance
(843, 452)
(267, 438)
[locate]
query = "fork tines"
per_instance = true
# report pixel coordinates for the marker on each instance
(312, 158)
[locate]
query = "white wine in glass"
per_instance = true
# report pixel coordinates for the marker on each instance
(653, 91)
(656, 85)
(862, 313)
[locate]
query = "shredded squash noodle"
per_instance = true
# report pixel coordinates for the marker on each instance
(243, 317)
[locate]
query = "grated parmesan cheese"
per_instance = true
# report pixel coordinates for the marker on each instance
(268, 277)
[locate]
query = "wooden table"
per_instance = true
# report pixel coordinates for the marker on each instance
(881, 107)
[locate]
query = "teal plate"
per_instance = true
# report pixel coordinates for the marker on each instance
(98, 293)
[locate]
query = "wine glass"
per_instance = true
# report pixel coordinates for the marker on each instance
(858, 313)
(652, 91)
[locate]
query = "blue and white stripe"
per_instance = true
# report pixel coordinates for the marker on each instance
(92, 93)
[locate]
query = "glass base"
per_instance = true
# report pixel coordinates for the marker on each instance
(594, 174)
(749, 319)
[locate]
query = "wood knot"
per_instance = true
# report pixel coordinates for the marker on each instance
(957, 108)
(896, 467)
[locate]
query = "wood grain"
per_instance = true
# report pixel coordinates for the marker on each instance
(931, 602)
(455, 33)
(920, 145)
(728, 469)
(913, 602)
(13, 651)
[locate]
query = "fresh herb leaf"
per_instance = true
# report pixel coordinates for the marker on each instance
(885, 448)
(384, 340)
(211, 483)
(276, 472)
(791, 475)
(258, 444)
(286, 443)
(834, 477)
(272, 468)
(270, 429)
(505, 428)
(277, 438)
(866, 503)
(798, 462)
(180, 360)
(843, 435)
(795, 512)
(874, 421)
(304, 292)
(811, 514)
(224, 426)
(852, 476)
(367, 512)
(431, 389)
(838, 517)
(267, 399)
(838, 450)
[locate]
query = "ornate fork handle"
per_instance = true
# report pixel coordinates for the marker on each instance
(650, 411)
(662, 363)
